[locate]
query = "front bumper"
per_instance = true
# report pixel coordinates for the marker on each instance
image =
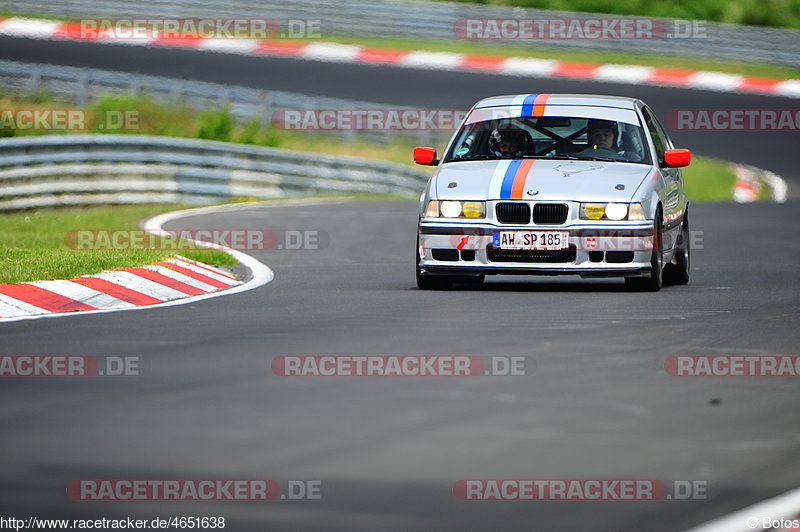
(595, 250)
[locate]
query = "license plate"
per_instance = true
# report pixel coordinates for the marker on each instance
(531, 239)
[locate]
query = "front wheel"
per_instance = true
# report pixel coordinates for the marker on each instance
(678, 273)
(433, 282)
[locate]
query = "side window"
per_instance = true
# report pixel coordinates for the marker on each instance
(659, 138)
(660, 128)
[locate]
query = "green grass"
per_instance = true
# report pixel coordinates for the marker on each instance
(778, 13)
(33, 242)
(709, 179)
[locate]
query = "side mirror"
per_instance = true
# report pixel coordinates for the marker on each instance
(425, 156)
(677, 158)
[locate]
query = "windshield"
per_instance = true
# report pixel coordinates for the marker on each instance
(550, 137)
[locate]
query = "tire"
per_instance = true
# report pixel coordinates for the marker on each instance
(470, 280)
(656, 279)
(678, 273)
(434, 282)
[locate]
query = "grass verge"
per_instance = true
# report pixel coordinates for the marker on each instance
(775, 13)
(34, 248)
(709, 179)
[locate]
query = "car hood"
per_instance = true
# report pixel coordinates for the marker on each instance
(539, 179)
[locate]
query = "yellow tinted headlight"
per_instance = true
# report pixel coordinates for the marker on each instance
(473, 209)
(593, 211)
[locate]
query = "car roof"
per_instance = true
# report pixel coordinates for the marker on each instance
(589, 100)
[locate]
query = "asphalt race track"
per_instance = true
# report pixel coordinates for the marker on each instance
(597, 402)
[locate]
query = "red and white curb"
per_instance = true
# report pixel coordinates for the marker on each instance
(345, 53)
(750, 181)
(174, 281)
(174, 278)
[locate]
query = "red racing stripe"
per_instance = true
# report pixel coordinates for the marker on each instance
(166, 281)
(193, 274)
(118, 291)
(539, 104)
(42, 298)
(521, 178)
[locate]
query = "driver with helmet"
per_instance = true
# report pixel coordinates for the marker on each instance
(602, 134)
(509, 141)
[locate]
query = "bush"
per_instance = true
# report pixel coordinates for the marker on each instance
(215, 124)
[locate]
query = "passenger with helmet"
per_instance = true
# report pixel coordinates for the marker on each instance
(509, 141)
(603, 137)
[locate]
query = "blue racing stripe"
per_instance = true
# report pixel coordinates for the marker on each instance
(527, 104)
(508, 179)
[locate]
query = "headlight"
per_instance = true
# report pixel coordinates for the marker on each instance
(636, 212)
(456, 209)
(612, 211)
(592, 211)
(450, 209)
(616, 211)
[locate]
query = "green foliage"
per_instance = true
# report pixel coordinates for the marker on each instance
(215, 124)
(777, 13)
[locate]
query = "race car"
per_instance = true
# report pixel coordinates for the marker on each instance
(555, 184)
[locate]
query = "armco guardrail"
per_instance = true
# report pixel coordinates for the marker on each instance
(430, 20)
(56, 170)
(83, 85)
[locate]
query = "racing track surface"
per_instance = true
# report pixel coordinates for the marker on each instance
(388, 450)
